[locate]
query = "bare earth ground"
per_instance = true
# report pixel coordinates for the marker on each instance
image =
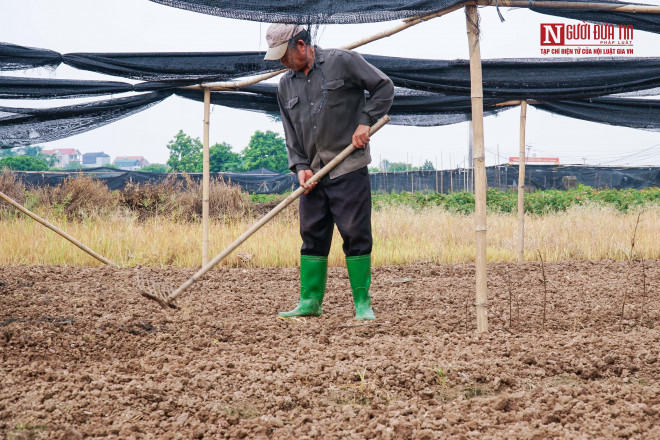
(84, 356)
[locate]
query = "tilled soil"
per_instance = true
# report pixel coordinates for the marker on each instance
(85, 356)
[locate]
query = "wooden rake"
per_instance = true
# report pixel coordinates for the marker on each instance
(165, 296)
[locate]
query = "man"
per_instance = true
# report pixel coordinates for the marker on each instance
(323, 109)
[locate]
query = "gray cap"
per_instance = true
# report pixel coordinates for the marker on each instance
(278, 36)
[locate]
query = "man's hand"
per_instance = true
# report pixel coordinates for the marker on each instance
(361, 136)
(303, 177)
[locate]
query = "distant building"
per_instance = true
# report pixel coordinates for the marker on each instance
(91, 160)
(130, 163)
(64, 156)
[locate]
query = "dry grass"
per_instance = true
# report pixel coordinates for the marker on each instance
(179, 200)
(401, 236)
(12, 187)
(76, 198)
(83, 197)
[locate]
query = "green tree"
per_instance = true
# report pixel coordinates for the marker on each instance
(266, 150)
(428, 166)
(32, 151)
(29, 150)
(23, 163)
(155, 168)
(221, 158)
(394, 167)
(185, 153)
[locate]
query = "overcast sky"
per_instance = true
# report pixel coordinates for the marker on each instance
(143, 26)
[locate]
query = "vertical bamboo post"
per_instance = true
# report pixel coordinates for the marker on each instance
(472, 19)
(451, 176)
(206, 178)
(521, 183)
(442, 175)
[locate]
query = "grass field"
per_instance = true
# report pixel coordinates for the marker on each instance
(402, 235)
(159, 224)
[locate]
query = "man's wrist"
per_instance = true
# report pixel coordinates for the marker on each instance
(302, 167)
(366, 119)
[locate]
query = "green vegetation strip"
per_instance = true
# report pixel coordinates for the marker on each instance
(540, 202)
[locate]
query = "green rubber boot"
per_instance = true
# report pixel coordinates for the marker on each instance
(313, 275)
(359, 273)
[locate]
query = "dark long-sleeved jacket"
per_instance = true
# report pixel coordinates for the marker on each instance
(321, 110)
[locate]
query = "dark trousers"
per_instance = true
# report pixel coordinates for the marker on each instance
(344, 201)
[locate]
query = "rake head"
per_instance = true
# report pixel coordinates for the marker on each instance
(155, 291)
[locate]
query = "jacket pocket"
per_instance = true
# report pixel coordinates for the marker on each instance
(291, 103)
(334, 84)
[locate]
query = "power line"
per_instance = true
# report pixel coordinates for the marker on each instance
(633, 154)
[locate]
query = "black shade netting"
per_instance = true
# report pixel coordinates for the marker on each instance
(430, 109)
(502, 78)
(265, 182)
(539, 177)
(506, 176)
(23, 126)
(626, 112)
(207, 66)
(38, 88)
(14, 57)
(321, 11)
(409, 107)
(554, 78)
(361, 11)
(641, 21)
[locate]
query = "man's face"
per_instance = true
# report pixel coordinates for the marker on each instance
(296, 57)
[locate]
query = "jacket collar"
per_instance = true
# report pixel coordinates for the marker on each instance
(320, 58)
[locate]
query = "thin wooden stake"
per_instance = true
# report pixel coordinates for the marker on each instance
(545, 288)
(644, 295)
(451, 176)
(55, 229)
(521, 183)
(206, 178)
(472, 19)
(442, 175)
(508, 281)
(630, 262)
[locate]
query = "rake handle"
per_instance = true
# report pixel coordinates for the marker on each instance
(272, 213)
(55, 229)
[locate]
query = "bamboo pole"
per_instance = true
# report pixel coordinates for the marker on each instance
(266, 218)
(521, 183)
(451, 176)
(206, 178)
(442, 174)
(55, 229)
(549, 4)
(472, 20)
